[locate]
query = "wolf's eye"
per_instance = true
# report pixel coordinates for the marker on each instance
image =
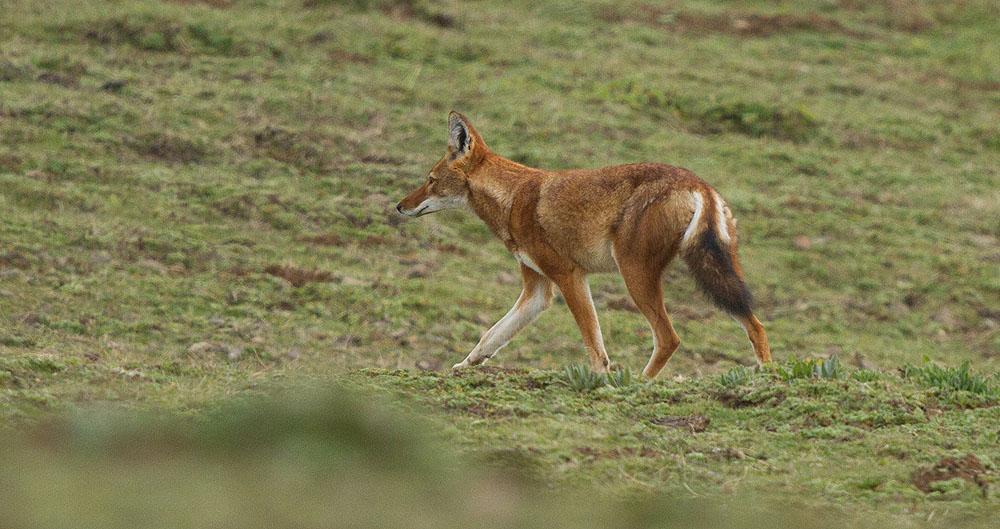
(432, 179)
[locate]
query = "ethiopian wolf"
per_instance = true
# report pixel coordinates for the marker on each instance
(563, 225)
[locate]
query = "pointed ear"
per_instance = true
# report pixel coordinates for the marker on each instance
(460, 140)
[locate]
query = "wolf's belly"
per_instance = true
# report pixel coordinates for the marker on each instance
(593, 260)
(597, 258)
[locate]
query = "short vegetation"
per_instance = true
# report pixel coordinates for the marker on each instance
(581, 378)
(952, 378)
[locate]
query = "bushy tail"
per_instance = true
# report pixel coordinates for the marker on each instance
(711, 259)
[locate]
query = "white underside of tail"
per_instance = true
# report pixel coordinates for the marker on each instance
(692, 229)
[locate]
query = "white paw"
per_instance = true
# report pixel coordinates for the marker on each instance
(461, 365)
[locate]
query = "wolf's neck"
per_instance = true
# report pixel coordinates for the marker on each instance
(492, 188)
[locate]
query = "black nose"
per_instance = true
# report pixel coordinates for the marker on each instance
(399, 208)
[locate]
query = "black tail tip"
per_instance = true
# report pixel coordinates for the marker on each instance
(715, 272)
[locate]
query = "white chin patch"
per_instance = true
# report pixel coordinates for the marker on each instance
(432, 204)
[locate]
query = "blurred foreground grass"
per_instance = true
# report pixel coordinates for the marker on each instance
(329, 458)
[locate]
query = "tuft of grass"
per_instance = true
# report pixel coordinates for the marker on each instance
(582, 379)
(866, 375)
(870, 483)
(959, 378)
(794, 368)
(620, 378)
(212, 38)
(735, 377)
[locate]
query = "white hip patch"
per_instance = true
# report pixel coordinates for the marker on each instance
(695, 219)
(720, 209)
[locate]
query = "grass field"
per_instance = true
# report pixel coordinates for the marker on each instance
(196, 206)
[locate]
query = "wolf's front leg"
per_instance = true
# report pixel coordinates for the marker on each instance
(535, 298)
(576, 292)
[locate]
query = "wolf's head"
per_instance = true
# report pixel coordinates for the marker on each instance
(447, 184)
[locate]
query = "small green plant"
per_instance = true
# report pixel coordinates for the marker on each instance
(866, 375)
(809, 368)
(870, 483)
(211, 38)
(959, 378)
(793, 369)
(582, 379)
(829, 368)
(620, 378)
(735, 377)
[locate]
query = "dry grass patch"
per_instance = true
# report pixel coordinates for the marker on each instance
(298, 276)
(738, 24)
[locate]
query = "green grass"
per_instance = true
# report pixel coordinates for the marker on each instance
(581, 378)
(735, 377)
(196, 205)
(816, 368)
(952, 379)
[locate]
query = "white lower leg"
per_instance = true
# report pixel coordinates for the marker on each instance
(527, 308)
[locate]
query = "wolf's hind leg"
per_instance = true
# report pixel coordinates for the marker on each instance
(644, 285)
(758, 338)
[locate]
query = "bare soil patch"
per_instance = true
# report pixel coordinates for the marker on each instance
(325, 239)
(969, 468)
(60, 79)
(167, 147)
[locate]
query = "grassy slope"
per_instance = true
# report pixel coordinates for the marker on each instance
(138, 221)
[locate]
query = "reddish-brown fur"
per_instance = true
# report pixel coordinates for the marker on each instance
(563, 225)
